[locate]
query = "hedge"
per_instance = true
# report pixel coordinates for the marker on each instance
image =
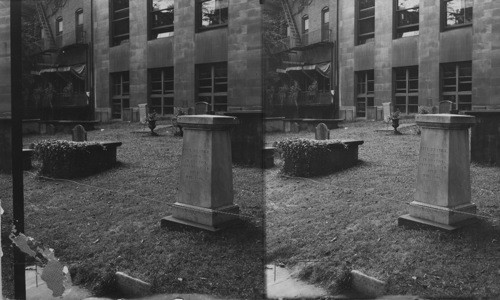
(67, 159)
(306, 157)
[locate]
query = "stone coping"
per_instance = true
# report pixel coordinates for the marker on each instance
(274, 119)
(70, 121)
(206, 121)
(482, 112)
(108, 143)
(315, 120)
(444, 119)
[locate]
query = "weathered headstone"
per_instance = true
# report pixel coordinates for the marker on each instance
(143, 111)
(79, 134)
(51, 129)
(294, 127)
(445, 107)
(371, 113)
(387, 109)
(443, 194)
(322, 132)
(201, 108)
(205, 197)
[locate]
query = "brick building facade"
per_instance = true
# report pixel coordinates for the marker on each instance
(410, 53)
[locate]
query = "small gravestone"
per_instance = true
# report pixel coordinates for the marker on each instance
(205, 197)
(143, 109)
(443, 194)
(445, 107)
(51, 129)
(322, 132)
(79, 134)
(201, 108)
(387, 110)
(294, 127)
(371, 113)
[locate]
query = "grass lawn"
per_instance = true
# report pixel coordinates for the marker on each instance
(111, 222)
(349, 220)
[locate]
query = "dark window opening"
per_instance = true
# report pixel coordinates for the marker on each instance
(162, 18)
(212, 85)
(407, 18)
(119, 22)
(456, 84)
(212, 13)
(120, 99)
(406, 90)
(366, 21)
(161, 91)
(365, 92)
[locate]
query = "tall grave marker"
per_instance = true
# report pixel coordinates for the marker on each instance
(205, 197)
(443, 180)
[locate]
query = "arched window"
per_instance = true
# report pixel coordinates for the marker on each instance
(305, 23)
(80, 35)
(59, 26)
(325, 15)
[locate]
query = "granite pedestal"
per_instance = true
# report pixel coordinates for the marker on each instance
(205, 197)
(443, 195)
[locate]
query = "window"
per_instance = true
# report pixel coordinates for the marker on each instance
(212, 13)
(161, 96)
(119, 22)
(120, 94)
(212, 85)
(365, 92)
(59, 26)
(80, 35)
(407, 17)
(457, 12)
(406, 90)
(366, 21)
(305, 24)
(325, 24)
(457, 84)
(162, 18)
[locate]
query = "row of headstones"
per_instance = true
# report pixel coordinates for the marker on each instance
(79, 134)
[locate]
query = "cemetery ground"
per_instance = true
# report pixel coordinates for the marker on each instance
(110, 222)
(326, 226)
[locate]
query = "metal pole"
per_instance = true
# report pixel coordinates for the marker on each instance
(17, 143)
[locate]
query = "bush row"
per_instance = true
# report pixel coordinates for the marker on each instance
(67, 159)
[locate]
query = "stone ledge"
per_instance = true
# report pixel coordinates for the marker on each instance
(132, 287)
(367, 285)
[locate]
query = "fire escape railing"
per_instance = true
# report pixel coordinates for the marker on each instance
(45, 25)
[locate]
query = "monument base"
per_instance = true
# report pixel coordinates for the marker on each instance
(203, 218)
(440, 214)
(417, 223)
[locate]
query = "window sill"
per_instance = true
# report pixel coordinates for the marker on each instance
(202, 29)
(447, 28)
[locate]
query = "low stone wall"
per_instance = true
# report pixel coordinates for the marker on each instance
(485, 136)
(310, 124)
(276, 124)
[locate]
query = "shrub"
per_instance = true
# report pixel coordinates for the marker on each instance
(67, 159)
(305, 157)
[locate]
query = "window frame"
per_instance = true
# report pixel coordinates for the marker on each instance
(408, 92)
(212, 94)
(366, 94)
(305, 21)
(398, 28)
(370, 35)
(112, 36)
(151, 13)
(199, 17)
(79, 27)
(325, 26)
(163, 96)
(59, 21)
(444, 17)
(121, 97)
(457, 92)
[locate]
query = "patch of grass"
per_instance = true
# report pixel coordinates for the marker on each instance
(111, 222)
(349, 218)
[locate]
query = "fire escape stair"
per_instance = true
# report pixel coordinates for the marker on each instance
(295, 35)
(46, 27)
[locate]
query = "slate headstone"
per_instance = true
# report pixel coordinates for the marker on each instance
(51, 129)
(445, 107)
(205, 197)
(294, 127)
(79, 134)
(201, 108)
(322, 132)
(443, 178)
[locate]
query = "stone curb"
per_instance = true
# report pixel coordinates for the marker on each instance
(369, 286)
(132, 287)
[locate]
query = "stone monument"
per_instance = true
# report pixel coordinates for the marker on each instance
(443, 179)
(322, 132)
(143, 112)
(205, 197)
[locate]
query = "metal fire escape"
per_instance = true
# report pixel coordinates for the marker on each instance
(295, 40)
(46, 27)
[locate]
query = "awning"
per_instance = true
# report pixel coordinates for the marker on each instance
(323, 69)
(77, 70)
